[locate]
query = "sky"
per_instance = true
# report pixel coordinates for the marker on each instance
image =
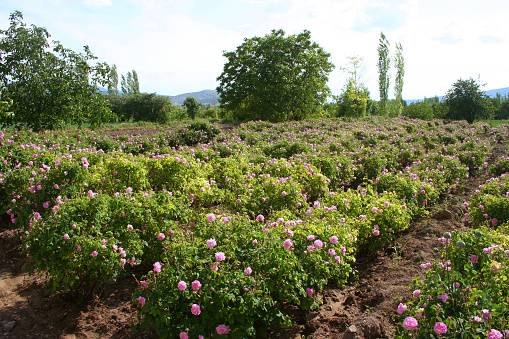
(177, 46)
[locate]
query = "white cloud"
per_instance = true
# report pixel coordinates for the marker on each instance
(98, 3)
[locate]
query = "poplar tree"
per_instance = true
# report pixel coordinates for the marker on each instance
(384, 63)
(399, 63)
(113, 81)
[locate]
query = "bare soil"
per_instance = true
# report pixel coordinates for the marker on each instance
(365, 308)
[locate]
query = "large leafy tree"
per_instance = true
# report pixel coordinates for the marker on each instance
(384, 79)
(50, 86)
(466, 101)
(192, 106)
(275, 77)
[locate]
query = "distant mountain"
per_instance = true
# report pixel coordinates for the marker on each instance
(491, 93)
(205, 97)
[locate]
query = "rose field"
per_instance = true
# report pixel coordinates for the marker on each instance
(332, 228)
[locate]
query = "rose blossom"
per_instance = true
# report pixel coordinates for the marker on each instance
(211, 243)
(157, 267)
(222, 329)
(287, 243)
(440, 328)
(401, 308)
(220, 256)
(196, 285)
(142, 301)
(410, 323)
(195, 309)
(182, 285)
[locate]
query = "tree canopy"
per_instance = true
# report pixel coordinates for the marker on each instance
(275, 77)
(466, 101)
(192, 107)
(49, 85)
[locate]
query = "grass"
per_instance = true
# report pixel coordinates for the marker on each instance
(495, 123)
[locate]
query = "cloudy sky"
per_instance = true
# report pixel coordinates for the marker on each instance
(176, 46)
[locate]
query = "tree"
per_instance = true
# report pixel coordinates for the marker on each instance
(275, 77)
(419, 110)
(384, 63)
(135, 84)
(50, 86)
(123, 86)
(113, 81)
(353, 102)
(466, 101)
(192, 106)
(131, 84)
(399, 63)
(356, 95)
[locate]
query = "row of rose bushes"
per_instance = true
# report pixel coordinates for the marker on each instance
(285, 228)
(464, 294)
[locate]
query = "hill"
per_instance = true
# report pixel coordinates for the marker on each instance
(205, 97)
(491, 93)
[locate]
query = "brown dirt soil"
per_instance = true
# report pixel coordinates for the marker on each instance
(365, 308)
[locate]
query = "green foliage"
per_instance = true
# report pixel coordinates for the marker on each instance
(142, 107)
(192, 106)
(49, 88)
(230, 293)
(198, 132)
(275, 78)
(353, 102)
(113, 81)
(419, 110)
(399, 63)
(466, 101)
(466, 288)
(131, 84)
(384, 78)
(490, 204)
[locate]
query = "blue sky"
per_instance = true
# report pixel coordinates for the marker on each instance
(176, 46)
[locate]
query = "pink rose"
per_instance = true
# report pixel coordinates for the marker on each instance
(288, 243)
(196, 285)
(211, 243)
(440, 328)
(220, 256)
(222, 329)
(410, 323)
(401, 308)
(182, 285)
(195, 309)
(157, 267)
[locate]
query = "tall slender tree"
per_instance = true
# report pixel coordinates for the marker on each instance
(113, 80)
(399, 62)
(136, 83)
(123, 85)
(384, 63)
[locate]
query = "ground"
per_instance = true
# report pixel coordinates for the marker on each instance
(365, 308)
